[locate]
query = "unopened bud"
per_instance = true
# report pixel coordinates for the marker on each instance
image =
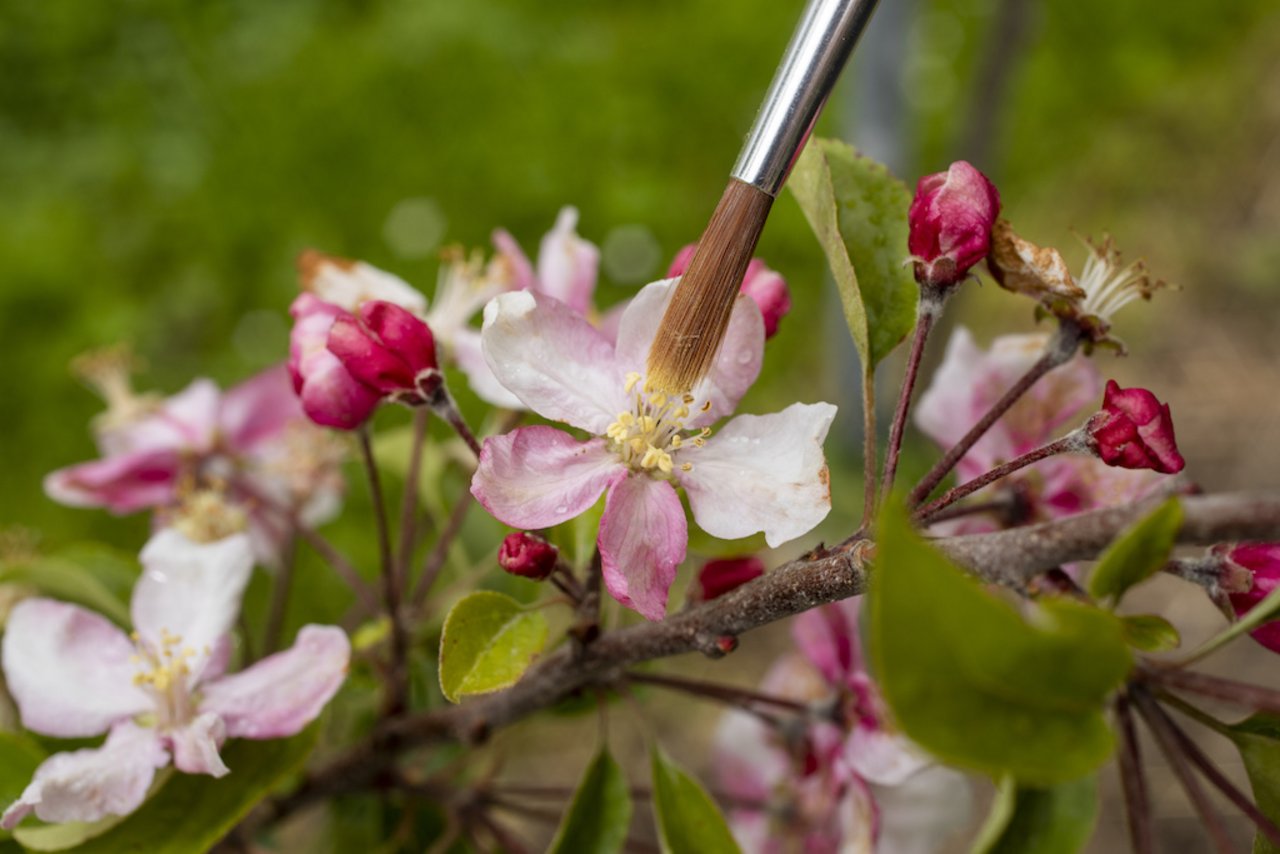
(1262, 562)
(527, 555)
(950, 220)
(383, 346)
(718, 577)
(1134, 430)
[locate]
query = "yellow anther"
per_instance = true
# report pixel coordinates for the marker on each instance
(705, 407)
(686, 467)
(699, 441)
(648, 424)
(632, 379)
(658, 401)
(677, 440)
(688, 398)
(682, 412)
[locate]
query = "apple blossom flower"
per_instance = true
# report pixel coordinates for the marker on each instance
(765, 286)
(1262, 562)
(527, 555)
(161, 694)
(970, 380)
(252, 436)
(1134, 430)
(950, 223)
(718, 577)
(758, 473)
(834, 782)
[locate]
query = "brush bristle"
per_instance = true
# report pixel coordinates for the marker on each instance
(696, 318)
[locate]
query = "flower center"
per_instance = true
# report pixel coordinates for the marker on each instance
(164, 673)
(648, 435)
(1109, 285)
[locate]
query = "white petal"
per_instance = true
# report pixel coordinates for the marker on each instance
(551, 358)
(919, 812)
(762, 473)
(69, 669)
(195, 746)
(87, 785)
(190, 590)
(469, 354)
(349, 285)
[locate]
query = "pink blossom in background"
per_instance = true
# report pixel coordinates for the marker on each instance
(161, 695)
(757, 473)
(950, 220)
(1134, 430)
(846, 784)
(254, 438)
(766, 287)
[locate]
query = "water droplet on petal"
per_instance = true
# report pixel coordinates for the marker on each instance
(562, 509)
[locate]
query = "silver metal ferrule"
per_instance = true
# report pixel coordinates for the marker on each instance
(815, 56)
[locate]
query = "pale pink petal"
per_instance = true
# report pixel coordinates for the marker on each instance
(884, 758)
(551, 358)
(567, 264)
(282, 693)
(611, 318)
(347, 284)
(69, 669)
(517, 263)
(643, 537)
(469, 354)
(923, 811)
(188, 421)
(536, 477)
(762, 473)
(258, 410)
(639, 324)
(195, 746)
(122, 484)
(748, 758)
(828, 637)
(191, 591)
(90, 784)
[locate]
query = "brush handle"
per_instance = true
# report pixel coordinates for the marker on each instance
(819, 47)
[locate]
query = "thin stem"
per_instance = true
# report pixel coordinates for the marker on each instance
(730, 694)
(446, 408)
(869, 461)
(280, 598)
(1137, 802)
(397, 677)
(1057, 352)
(928, 312)
(1070, 442)
(956, 511)
(1241, 694)
(409, 500)
(1211, 773)
(435, 560)
(1160, 728)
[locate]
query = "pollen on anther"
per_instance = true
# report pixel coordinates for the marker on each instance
(686, 467)
(705, 407)
(632, 379)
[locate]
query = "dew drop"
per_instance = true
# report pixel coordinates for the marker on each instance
(562, 509)
(744, 357)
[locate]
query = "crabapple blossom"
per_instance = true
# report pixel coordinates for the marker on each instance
(757, 473)
(842, 779)
(765, 286)
(161, 694)
(950, 223)
(253, 438)
(1134, 430)
(1262, 561)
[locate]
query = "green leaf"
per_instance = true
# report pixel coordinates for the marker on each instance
(1053, 820)
(488, 641)
(858, 211)
(191, 812)
(66, 579)
(974, 683)
(1150, 633)
(1258, 740)
(1138, 553)
(688, 820)
(1263, 612)
(600, 814)
(19, 758)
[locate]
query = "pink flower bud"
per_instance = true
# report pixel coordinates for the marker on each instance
(766, 287)
(386, 347)
(951, 218)
(1262, 561)
(527, 555)
(718, 577)
(330, 395)
(1134, 430)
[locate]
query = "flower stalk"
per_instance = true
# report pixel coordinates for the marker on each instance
(931, 302)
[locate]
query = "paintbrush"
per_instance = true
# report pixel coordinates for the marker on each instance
(694, 324)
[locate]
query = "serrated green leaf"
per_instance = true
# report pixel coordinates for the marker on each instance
(488, 641)
(597, 819)
(1054, 820)
(61, 578)
(1138, 553)
(858, 211)
(972, 682)
(1258, 740)
(688, 820)
(1150, 633)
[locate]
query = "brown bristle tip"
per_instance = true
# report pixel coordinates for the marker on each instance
(694, 324)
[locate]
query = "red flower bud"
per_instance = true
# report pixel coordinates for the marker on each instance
(330, 395)
(766, 287)
(951, 218)
(718, 577)
(527, 555)
(1262, 561)
(1134, 430)
(386, 347)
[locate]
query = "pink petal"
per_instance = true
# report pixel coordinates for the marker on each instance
(367, 360)
(567, 264)
(828, 637)
(195, 746)
(551, 358)
(330, 395)
(69, 669)
(188, 421)
(643, 537)
(87, 785)
(282, 693)
(258, 410)
(469, 355)
(762, 473)
(190, 590)
(122, 484)
(509, 251)
(536, 477)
